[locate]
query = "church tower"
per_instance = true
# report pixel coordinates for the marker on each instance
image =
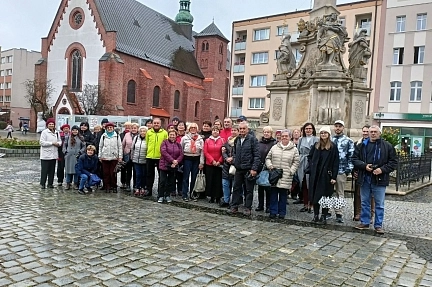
(184, 18)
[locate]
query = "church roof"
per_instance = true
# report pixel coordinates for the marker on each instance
(147, 34)
(211, 30)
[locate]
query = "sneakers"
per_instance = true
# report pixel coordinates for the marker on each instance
(232, 211)
(379, 230)
(247, 212)
(339, 218)
(68, 186)
(89, 189)
(185, 199)
(168, 199)
(81, 191)
(362, 226)
(272, 216)
(160, 200)
(137, 192)
(50, 186)
(328, 216)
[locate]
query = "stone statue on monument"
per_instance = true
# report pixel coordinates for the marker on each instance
(40, 123)
(286, 62)
(331, 39)
(359, 55)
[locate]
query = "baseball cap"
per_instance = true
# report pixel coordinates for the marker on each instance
(242, 118)
(341, 122)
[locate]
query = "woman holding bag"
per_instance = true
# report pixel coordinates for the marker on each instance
(284, 155)
(171, 157)
(213, 160)
(227, 176)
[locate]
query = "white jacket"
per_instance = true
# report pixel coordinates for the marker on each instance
(110, 148)
(287, 158)
(48, 150)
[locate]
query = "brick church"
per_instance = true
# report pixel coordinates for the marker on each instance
(145, 62)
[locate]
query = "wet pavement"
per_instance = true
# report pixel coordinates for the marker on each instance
(60, 238)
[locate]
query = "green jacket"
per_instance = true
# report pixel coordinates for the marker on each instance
(154, 141)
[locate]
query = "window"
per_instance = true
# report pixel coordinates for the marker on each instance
(131, 88)
(203, 47)
(297, 55)
(256, 103)
(207, 46)
(1, 98)
(9, 59)
(342, 21)
(395, 91)
(365, 23)
(398, 54)
(1, 86)
(258, 81)
(9, 72)
(282, 30)
(421, 21)
(8, 85)
(76, 70)
(416, 91)
(7, 99)
(262, 34)
(221, 48)
(3, 60)
(177, 100)
(277, 52)
(156, 92)
(260, 58)
(220, 65)
(419, 54)
(400, 23)
(2, 73)
(196, 112)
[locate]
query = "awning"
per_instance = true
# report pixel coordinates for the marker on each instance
(158, 112)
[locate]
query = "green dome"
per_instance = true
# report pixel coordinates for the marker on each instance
(184, 17)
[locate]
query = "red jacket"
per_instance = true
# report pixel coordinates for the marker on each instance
(213, 150)
(225, 134)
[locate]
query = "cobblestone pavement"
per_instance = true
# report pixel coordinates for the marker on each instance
(59, 238)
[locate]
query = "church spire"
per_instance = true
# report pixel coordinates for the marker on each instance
(184, 16)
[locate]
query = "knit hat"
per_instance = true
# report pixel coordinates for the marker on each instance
(109, 125)
(50, 120)
(104, 121)
(65, 126)
(75, 127)
(176, 118)
(325, 129)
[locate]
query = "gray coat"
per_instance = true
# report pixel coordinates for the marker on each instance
(71, 153)
(304, 148)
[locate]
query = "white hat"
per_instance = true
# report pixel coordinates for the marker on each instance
(341, 122)
(325, 129)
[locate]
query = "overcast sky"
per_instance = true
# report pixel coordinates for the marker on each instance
(24, 22)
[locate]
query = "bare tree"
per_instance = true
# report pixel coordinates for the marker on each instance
(91, 99)
(38, 92)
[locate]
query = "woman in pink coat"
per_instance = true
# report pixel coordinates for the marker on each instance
(214, 162)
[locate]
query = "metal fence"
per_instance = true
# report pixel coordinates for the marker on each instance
(412, 169)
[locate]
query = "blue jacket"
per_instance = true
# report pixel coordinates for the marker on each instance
(87, 165)
(345, 147)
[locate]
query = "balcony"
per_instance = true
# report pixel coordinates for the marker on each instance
(239, 68)
(236, 112)
(367, 28)
(237, 91)
(239, 46)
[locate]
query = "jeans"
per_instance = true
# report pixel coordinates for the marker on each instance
(240, 179)
(368, 190)
(69, 177)
(226, 188)
(140, 171)
(84, 180)
(190, 167)
(278, 201)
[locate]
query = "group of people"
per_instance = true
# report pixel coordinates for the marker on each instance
(232, 158)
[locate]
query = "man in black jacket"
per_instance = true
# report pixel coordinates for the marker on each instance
(246, 157)
(375, 159)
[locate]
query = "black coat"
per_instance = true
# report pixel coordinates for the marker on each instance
(88, 137)
(246, 155)
(226, 166)
(386, 161)
(264, 147)
(319, 179)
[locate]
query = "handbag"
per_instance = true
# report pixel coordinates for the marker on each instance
(94, 180)
(200, 184)
(232, 170)
(263, 178)
(126, 157)
(274, 176)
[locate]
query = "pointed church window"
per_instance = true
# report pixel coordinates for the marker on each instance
(197, 106)
(221, 49)
(176, 100)
(207, 46)
(156, 92)
(131, 88)
(203, 47)
(76, 66)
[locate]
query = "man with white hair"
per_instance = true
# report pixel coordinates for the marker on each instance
(375, 159)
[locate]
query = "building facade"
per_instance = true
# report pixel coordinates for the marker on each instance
(255, 45)
(404, 81)
(145, 63)
(16, 67)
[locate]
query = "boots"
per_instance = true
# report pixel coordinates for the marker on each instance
(68, 186)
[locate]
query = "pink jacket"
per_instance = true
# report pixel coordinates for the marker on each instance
(213, 150)
(127, 142)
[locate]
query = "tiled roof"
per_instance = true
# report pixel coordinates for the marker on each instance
(149, 35)
(211, 30)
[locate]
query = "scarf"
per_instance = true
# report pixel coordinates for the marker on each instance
(110, 134)
(193, 143)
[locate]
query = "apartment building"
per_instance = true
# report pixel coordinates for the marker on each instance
(404, 83)
(255, 45)
(16, 66)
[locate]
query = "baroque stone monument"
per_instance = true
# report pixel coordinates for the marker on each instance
(320, 89)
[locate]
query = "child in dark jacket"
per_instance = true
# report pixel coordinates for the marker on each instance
(86, 166)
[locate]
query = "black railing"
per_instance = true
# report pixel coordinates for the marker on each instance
(412, 168)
